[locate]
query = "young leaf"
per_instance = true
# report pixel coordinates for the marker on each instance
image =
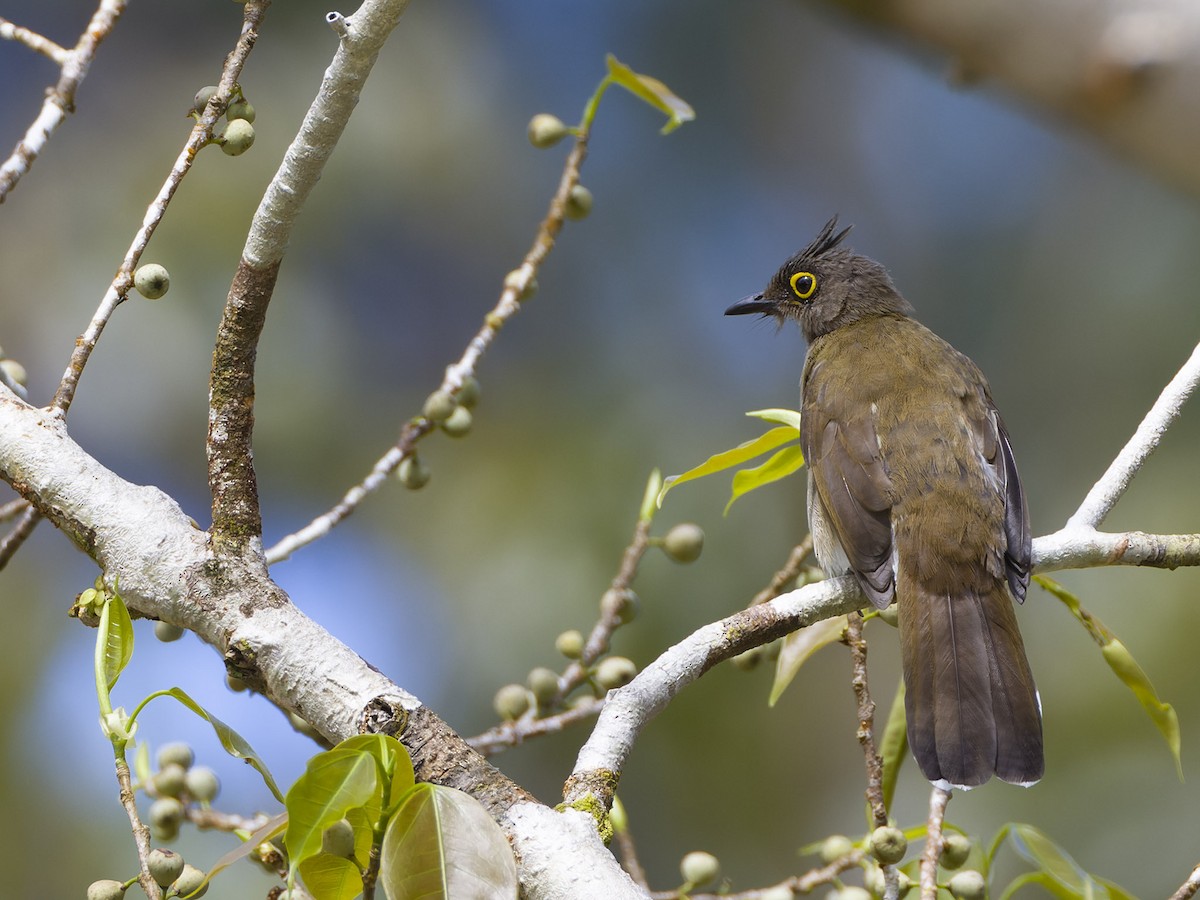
(893, 748)
(234, 744)
(331, 877)
(273, 828)
(799, 646)
(780, 465)
(1135, 678)
(443, 844)
(789, 417)
(653, 92)
(333, 782)
(1067, 879)
(116, 632)
(730, 458)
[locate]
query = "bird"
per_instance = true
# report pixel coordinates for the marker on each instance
(913, 490)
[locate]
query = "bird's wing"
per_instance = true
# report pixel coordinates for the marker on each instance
(1019, 554)
(842, 451)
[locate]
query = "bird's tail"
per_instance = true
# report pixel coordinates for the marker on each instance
(971, 704)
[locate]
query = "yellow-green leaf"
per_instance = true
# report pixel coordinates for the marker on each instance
(117, 633)
(272, 829)
(780, 465)
(652, 91)
(331, 877)
(799, 646)
(730, 458)
(893, 748)
(1121, 661)
(333, 782)
(1066, 878)
(789, 417)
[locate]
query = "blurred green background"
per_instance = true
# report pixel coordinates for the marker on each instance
(1067, 274)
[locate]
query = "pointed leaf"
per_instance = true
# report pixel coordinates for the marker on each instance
(893, 748)
(333, 782)
(272, 829)
(234, 744)
(331, 877)
(799, 646)
(1067, 879)
(790, 417)
(1135, 678)
(652, 91)
(117, 632)
(443, 844)
(781, 465)
(654, 487)
(730, 458)
(391, 755)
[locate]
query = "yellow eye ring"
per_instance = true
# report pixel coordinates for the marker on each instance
(804, 284)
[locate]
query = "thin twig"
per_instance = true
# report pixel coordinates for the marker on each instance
(510, 734)
(866, 719)
(783, 579)
(516, 288)
(16, 537)
(141, 834)
(60, 99)
(1108, 490)
(797, 884)
(933, 842)
(629, 858)
(13, 508)
(1188, 889)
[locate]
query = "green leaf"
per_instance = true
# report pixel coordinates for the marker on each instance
(331, 877)
(730, 458)
(790, 417)
(1134, 677)
(1066, 878)
(390, 754)
(442, 844)
(799, 646)
(272, 829)
(141, 762)
(652, 91)
(116, 630)
(780, 465)
(333, 782)
(654, 487)
(893, 747)
(235, 745)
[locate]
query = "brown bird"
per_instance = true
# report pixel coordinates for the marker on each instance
(913, 490)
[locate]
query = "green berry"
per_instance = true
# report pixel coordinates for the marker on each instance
(459, 422)
(413, 473)
(546, 130)
(778, 892)
(179, 753)
(888, 844)
(164, 865)
(234, 683)
(169, 781)
(955, 850)
(468, 394)
(543, 684)
(202, 784)
(684, 542)
(240, 109)
(851, 892)
(15, 371)
(615, 671)
(166, 632)
(237, 137)
(835, 847)
(439, 406)
(338, 839)
(968, 885)
(511, 702)
(201, 99)
(699, 868)
(166, 815)
(152, 281)
(620, 603)
(190, 881)
(570, 644)
(579, 202)
(105, 889)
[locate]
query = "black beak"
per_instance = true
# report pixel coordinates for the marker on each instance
(752, 304)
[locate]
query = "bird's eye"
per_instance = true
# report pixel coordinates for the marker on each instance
(804, 284)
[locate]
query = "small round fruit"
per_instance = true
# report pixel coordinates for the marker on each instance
(202, 784)
(166, 815)
(888, 844)
(169, 780)
(614, 672)
(413, 473)
(202, 97)
(237, 138)
(511, 702)
(570, 644)
(852, 892)
(105, 889)
(164, 865)
(968, 885)
(546, 130)
(778, 892)
(579, 202)
(684, 542)
(240, 109)
(439, 406)
(620, 603)
(178, 752)
(699, 868)
(955, 850)
(235, 684)
(338, 839)
(459, 422)
(166, 632)
(835, 847)
(543, 684)
(15, 371)
(189, 881)
(468, 394)
(152, 281)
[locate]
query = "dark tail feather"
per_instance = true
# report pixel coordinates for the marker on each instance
(971, 705)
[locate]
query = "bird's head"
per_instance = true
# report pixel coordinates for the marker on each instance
(824, 287)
